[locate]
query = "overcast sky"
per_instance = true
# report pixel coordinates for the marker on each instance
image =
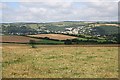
(58, 10)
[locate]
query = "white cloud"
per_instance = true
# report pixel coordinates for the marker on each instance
(37, 10)
(3, 5)
(60, 11)
(51, 1)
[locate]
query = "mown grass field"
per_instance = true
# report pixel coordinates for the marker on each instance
(22, 61)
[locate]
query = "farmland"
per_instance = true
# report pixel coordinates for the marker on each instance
(22, 61)
(17, 39)
(60, 50)
(59, 39)
(107, 30)
(24, 39)
(56, 39)
(53, 36)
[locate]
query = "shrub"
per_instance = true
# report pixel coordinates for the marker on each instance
(32, 43)
(68, 42)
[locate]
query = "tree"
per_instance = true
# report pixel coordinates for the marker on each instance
(68, 42)
(77, 41)
(32, 43)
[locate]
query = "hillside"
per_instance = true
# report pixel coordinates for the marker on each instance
(107, 30)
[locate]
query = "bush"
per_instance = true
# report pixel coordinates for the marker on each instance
(32, 43)
(76, 41)
(46, 38)
(68, 42)
(33, 46)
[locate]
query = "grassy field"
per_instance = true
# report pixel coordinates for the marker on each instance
(22, 61)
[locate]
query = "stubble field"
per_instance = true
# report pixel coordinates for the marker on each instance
(22, 61)
(53, 36)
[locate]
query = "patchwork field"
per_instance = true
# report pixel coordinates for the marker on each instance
(22, 61)
(24, 39)
(17, 39)
(53, 36)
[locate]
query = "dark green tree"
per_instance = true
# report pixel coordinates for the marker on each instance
(68, 42)
(32, 43)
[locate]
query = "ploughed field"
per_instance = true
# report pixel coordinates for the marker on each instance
(53, 36)
(22, 61)
(17, 39)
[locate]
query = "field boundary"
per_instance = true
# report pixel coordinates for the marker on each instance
(82, 45)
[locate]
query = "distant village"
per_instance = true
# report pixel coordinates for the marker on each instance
(34, 28)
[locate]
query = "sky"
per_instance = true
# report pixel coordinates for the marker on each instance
(58, 10)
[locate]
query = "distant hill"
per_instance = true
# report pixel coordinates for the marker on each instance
(68, 27)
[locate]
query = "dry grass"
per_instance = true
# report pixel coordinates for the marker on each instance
(60, 62)
(54, 36)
